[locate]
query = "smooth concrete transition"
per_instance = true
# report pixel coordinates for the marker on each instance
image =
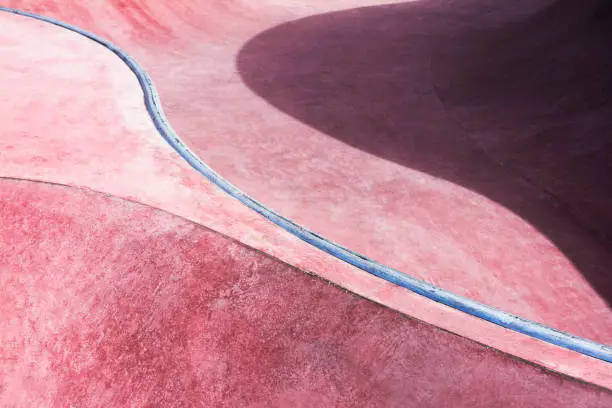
(465, 144)
(113, 303)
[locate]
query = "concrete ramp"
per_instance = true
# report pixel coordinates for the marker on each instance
(346, 204)
(108, 302)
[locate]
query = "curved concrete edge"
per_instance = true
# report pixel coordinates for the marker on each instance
(488, 313)
(173, 310)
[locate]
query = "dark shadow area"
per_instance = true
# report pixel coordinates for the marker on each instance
(517, 111)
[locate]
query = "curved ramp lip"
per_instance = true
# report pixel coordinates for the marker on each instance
(466, 305)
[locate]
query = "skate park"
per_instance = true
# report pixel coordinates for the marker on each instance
(306, 203)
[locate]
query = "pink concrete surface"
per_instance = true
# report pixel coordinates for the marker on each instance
(110, 303)
(80, 121)
(349, 123)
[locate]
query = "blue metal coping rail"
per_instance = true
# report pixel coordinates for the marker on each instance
(488, 313)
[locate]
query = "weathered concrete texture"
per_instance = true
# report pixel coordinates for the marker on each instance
(455, 141)
(111, 303)
(441, 89)
(366, 126)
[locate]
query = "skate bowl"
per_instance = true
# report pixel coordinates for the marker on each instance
(353, 204)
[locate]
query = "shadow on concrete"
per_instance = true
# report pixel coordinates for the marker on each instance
(516, 111)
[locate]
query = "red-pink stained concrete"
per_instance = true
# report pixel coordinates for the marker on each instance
(370, 157)
(109, 303)
(105, 141)
(366, 78)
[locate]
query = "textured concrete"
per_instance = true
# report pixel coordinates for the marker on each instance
(505, 242)
(378, 144)
(401, 83)
(111, 303)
